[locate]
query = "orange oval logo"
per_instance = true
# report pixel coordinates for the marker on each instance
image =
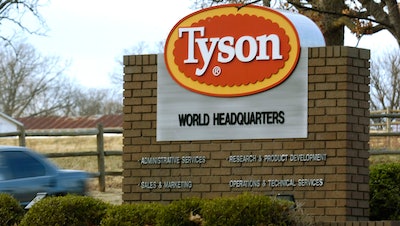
(225, 51)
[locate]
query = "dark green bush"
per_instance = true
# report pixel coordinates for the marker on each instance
(241, 210)
(11, 212)
(68, 210)
(385, 191)
(132, 215)
(178, 213)
(247, 209)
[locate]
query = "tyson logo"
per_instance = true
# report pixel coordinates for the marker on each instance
(226, 52)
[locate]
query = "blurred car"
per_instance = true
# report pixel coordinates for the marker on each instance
(25, 173)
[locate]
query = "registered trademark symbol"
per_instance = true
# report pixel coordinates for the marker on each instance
(216, 71)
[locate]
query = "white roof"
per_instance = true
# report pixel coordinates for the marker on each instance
(309, 33)
(8, 124)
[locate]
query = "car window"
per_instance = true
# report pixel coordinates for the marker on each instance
(5, 173)
(22, 165)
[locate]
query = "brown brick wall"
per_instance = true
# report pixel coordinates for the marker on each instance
(338, 125)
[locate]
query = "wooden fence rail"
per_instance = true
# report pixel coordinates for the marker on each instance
(99, 131)
(383, 123)
(101, 163)
(384, 152)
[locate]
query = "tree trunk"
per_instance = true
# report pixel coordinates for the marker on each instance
(331, 29)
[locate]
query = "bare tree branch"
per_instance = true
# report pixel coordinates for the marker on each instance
(25, 77)
(248, 3)
(385, 81)
(358, 16)
(14, 14)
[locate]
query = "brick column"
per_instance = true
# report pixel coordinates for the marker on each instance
(339, 117)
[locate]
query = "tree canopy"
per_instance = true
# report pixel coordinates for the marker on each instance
(17, 15)
(362, 17)
(385, 81)
(32, 84)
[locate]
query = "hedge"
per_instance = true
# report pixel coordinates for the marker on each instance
(384, 186)
(132, 215)
(70, 210)
(11, 212)
(245, 209)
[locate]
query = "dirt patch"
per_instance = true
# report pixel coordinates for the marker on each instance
(111, 195)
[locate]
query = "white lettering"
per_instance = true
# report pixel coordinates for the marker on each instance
(205, 53)
(193, 159)
(191, 31)
(148, 184)
(242, 158)
(228, 49)
(244, 183)
(178, 184)
(275, 158)
(311, 182)
(252, 48)
(276, 47)
(282, 183)
(159, 160)
(308, 157)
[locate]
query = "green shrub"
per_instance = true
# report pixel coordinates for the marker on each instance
(247, 209)
(179, 212)
(132, 215)
(68, 210)
(385, 191)
(242, 210)
(11, 212)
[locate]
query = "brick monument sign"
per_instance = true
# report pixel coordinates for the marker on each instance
(224, 113)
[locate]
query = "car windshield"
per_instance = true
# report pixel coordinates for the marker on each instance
(20, 164)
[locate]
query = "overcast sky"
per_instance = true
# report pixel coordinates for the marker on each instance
(92, 34)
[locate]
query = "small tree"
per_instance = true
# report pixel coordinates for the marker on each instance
(385, 85)
(31, 84)
(385, 81)
(94, 102)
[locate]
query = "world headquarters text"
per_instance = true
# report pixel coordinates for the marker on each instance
(232, 118)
